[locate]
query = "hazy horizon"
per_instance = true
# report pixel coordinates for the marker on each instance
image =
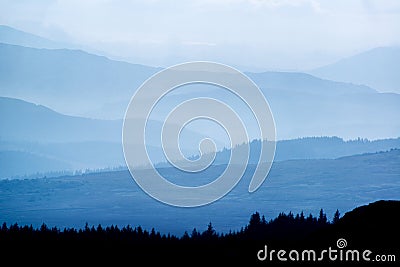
(248, 34)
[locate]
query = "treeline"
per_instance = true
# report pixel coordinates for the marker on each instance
(52, 174)
(373, 227)
(282, 227)
(315, 148)
(114, 244)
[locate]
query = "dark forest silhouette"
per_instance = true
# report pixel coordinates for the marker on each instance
(285, 226)
(373, 226)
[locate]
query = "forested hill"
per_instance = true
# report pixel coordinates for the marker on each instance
(316, 148)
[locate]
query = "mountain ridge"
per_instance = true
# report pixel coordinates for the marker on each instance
(34, 74)
(306, 83)
(47, 125)
(91, 143)
(376, 67)
(10, 35)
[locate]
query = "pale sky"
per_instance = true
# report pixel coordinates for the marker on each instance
(252, 35)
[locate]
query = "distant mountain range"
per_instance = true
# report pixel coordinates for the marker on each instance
(86, 81)
(77, 83)
(70, 81)
(25, 121)
(55, 142)
(64, 107)
(313, 148)
(302, 83)
(21, 164)
(9, 35)
(378, 68)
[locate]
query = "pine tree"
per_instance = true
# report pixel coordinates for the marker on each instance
(336, 217)
(195, 234)
(263, 221)
(152, 233)
(322, 217)
(210, 232)
(255, 220)
(185, 236)
(302, 218)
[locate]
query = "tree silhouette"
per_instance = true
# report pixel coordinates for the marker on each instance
(263, 221)
(322, 220)
(195, 234)
(185, 236)
(210, 233)
(302, 218)
(336, 217)
(255, 220)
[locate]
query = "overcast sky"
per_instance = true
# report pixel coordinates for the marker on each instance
(249, 34)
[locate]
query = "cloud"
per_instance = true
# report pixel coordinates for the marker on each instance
(196, 43)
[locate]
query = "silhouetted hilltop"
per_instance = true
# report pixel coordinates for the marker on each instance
(373, 215)
(375, 225)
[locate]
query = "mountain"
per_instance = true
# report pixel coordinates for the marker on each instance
(313, 148)
(23, 121)
(20, 163)
(34, 131)
(377, 68)
(43, 135)
(82, 84)
(56, 158)
(9, 35)
(297, 82)
(33, 135)
(331, 147)
(70, 81)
